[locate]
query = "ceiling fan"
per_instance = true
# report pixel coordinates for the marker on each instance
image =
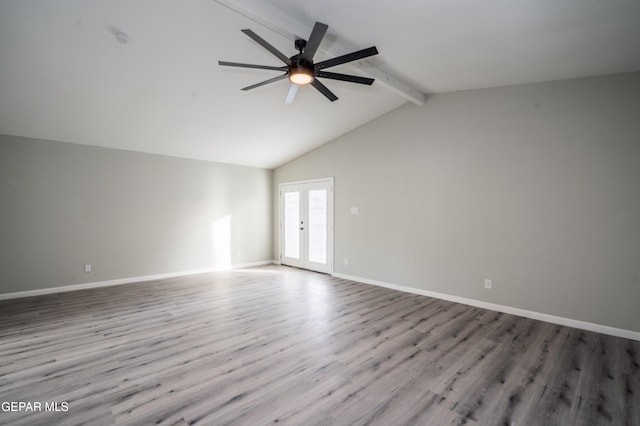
(300, 68)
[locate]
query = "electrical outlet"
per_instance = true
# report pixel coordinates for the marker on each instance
(87, 268)
(488, 284)
(346, 260)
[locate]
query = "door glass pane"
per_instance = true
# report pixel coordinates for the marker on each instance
(318, 225)
(292, 225)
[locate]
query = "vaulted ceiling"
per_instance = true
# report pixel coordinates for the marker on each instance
(142, 75)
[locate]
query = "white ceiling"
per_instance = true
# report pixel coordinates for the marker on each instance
(64, 76)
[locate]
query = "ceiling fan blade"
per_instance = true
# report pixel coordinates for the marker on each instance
(345, 77)
(317, 34)
(262, 42)
(323, 89)
(261, 67)
(349, 57)
(292, 94)
(262, 83)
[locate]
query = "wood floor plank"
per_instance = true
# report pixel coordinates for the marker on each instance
(277, 345)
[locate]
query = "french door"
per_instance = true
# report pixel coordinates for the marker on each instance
(306, 225)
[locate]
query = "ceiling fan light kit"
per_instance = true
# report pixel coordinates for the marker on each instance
(301, 75)
(300, 68)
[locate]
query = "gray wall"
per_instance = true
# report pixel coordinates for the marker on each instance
(128, 214)
(536, 187)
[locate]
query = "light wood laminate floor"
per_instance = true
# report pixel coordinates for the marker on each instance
(279, 345)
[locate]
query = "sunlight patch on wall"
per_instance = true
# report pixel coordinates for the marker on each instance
(221, 243)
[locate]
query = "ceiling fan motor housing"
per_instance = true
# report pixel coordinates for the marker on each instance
(301, 71)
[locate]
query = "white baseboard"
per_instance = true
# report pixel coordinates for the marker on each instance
(583, 325)
(62, 289)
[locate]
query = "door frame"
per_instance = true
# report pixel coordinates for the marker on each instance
(330, 218)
